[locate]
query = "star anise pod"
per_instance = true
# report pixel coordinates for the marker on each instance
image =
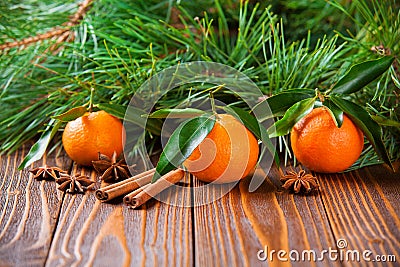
(110, 169)
(46, 172)
(299, 181)
(74, 183)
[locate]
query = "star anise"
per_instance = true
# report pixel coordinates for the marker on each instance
(299, 182)
(74, 183)
(46, 172)
(110, 169)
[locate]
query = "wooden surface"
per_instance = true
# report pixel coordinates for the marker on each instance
(41, 226)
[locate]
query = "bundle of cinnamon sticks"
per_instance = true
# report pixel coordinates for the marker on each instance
(139, 189)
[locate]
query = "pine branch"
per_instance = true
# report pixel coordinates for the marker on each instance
(59, 33)
(55, 32)
(122, 43)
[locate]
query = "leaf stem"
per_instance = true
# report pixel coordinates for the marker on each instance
(91, 99)
(320, 96)
(213, 107)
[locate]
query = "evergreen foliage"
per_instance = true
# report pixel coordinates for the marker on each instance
(119, 44)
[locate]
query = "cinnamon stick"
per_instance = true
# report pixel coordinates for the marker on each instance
(128, 198)
(142, 195)
(121, 188)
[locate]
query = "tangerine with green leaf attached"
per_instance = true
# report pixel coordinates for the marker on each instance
(93, 133)
(321, 146)
(227, 154)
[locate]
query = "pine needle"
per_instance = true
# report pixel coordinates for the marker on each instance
(118, 44)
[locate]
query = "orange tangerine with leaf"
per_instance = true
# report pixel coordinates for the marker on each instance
(227, 154)
(321, 146)
(93, 133)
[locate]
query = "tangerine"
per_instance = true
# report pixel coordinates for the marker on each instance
(93, 133)
(227, 154)
(323, 147)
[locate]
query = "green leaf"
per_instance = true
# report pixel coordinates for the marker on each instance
(71, 114)
(247, 119)
(182, 143)
(336, 113)
(114, 109)
(39, 148)
(364, 121)
(281, 102)
(362, 74)
(255, 127)
(175, 113)
(292, 115)
(385, 122)
(134, 115)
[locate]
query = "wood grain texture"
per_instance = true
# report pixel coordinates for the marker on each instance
(363, 209)
(232, 230)
(110, 234)
(41, 226)
(28, 211)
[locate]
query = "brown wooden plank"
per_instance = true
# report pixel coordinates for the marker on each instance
(28, 211)
(103, 234)
(364, 210)
(362, 207)
(231, 230)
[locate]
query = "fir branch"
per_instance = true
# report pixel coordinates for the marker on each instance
(123, 43)
(80, 13)
(59, 33)
(29, 40)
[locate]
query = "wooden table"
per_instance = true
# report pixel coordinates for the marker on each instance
(357, 211)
